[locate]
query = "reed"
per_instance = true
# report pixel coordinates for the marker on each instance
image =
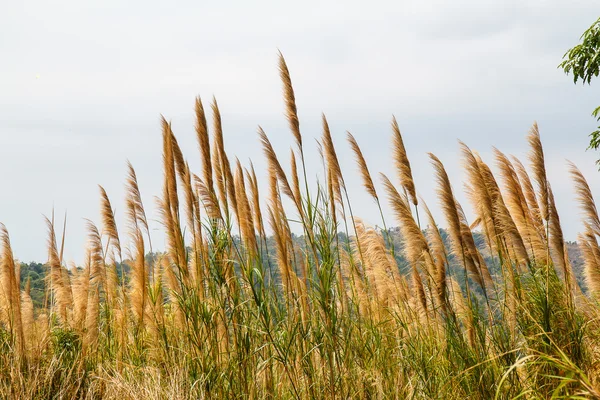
(241, 305)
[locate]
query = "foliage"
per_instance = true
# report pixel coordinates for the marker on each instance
(583, 61)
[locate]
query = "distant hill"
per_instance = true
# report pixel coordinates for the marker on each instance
(36, 272)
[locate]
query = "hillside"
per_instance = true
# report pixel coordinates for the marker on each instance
(36, 272)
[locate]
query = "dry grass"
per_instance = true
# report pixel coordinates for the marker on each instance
(229, 312)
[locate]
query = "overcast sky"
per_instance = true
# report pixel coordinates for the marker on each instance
(82, 87)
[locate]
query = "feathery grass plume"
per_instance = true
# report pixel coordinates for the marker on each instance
(557, 243)
(510, 245)
(90, 341)
(220, 179)
(274, 195)
(109, 226)
(282, 234)
(402, 164)
(379, 269)
(447, 200)
(420, 289)
(109, 265)
(97, 280)
(41, 332)
(102, 279)
(6, 289)
(225, 166)
(301, 285)
(416, 248)
(354, 273)
(486, 197)
(138, 284)
(536, 157)
(459, 304)
(230, 185)
(169, 169)
(192, 214)
(281, 248)
(362, 167)
(96, 254)
(66, 277)
(321, 156)
(531, 197)
(178, 158)
(204, 144)
(275, 166)
(172, 284)
(368, 184)
(329, 148)
(58, 285)
(585, 198)
(437, 249)
(169, 206)
(503, 219)
(200, 251)
(135, 206)
(62, 242)
(183, 173)
(11, 280)
(28, 318)
(208, 198)
(176, 281)
(473, 253)
(480, 197)
(416, 243)
(516, 202)
(156, 310)
(174, 238)
(276, 215)
(365, 279)
(258, 219)
(436, 243)
(113, 244)
(277, 176)
(336, 184)
(591, 260)
(81, 292)
(455, 228)
(5, 305)
(295, 179)
(169, 209)
(333, 165)
(185, 179)
(290, 103)
(333, 196)
(246, 221)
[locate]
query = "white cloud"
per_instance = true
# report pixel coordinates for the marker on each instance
(480, 71)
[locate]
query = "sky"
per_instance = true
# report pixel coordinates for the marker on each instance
(83, 85)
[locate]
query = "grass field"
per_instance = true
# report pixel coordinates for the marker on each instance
(219, 314)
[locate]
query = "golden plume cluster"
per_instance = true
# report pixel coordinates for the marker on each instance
(313, 300)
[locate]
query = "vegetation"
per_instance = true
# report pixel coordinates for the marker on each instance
(483, 309)
(583, 61)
